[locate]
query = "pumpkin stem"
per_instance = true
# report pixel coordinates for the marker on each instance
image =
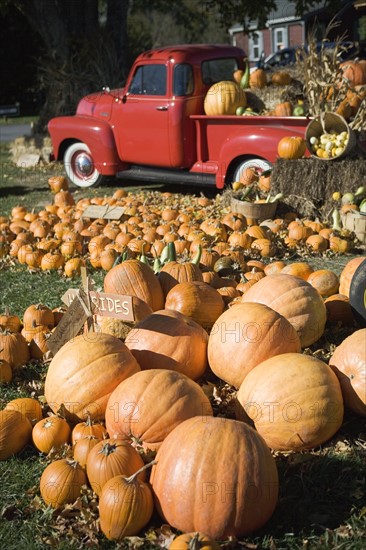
(194, 543)
(172, 254)
(157, 266)
(108, 449)
(143, 258)
(132, 478)
(244, 82)
(197, 257)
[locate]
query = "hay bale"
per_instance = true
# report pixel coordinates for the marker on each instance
(308, 184)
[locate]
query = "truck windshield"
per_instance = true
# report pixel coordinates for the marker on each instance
(215, 70)
(149, 80)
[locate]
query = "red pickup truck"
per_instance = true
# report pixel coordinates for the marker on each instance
(155, 129)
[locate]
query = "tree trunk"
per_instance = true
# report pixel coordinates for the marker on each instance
(116, 27)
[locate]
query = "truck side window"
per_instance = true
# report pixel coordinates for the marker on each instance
(182, 80)
(149, 80)
(215, 70)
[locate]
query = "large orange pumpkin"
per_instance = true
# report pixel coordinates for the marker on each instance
(197, 300)
(149, 405)
(223, 98)
(134, 278)
(232, 492)
(349, 363)
(347, 273)
(294, 400)
(296, 300)
(84, 372)
(167, 339)
(244, 336)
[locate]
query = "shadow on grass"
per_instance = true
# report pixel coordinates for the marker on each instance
(17, 190)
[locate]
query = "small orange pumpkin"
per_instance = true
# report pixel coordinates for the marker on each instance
(291, 147)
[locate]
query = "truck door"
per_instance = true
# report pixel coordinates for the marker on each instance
(143, 117)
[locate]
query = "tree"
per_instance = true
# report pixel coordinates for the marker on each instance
(82, 50)
(88, 44)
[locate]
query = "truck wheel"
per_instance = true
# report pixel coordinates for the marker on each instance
(80, 168)
(259, 164)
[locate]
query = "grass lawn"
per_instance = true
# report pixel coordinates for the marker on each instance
(322, 498)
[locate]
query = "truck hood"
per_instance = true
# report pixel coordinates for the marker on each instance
(99, 104)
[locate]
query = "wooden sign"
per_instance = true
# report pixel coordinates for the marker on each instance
(70, 324)
(106, 212)
(106, 305)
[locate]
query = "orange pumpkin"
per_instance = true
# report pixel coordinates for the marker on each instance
(281, 78)
(176, 397)
(244, 336)
(189, 541)
(296, 300)
(325, 281)
(339, 310)
(188, 464)
(347, 273)
(134, 278)
(82, 448)
(28, 407)
(61, 482)
(165, 340)
(84, 372)
(6, 373)
(88, 429)
(354, 71)
(196, 300)
(223, 98)
(258, 79)
(15, 432)
(349, 363)
(125, 506)
(110, 458)
(13, 348)
(51, 432)
(291, 147)
(298, 269)
(303, 411)
(283, 109)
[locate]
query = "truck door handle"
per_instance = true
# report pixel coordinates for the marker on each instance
(162, 108)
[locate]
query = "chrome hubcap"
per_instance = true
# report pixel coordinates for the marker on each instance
(84, 165)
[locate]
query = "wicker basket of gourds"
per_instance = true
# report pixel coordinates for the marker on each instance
(329, 137)
(255, 210)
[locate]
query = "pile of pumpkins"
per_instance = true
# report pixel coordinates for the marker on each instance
(125, 407)
(59, 237)
(228, 97)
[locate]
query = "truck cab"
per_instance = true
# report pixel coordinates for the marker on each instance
(148, 121)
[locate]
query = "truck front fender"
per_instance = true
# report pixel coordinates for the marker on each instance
(96, 134)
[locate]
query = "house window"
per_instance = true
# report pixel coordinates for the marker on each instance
(255, 45)
(279, 39)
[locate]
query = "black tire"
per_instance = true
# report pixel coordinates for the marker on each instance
(357, 294)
